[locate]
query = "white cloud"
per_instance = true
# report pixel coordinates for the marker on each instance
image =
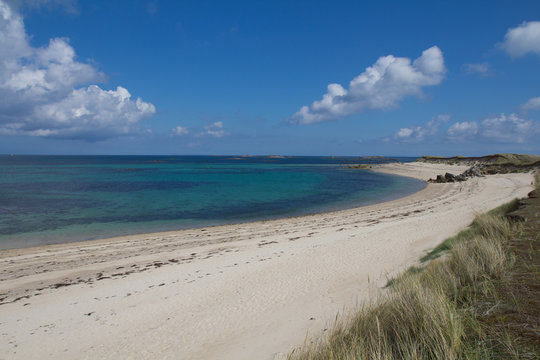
(380, 86)
(41, 93)
(484, 69)
(500, 129)
(70, 6)
(405, 133)
(523, 39)
(420, 133)
(214, 130)
(461, 131)
(531, 104)
(180, 130)
(509, 128)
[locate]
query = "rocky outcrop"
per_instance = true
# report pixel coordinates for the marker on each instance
(450, 178)
(473, 171)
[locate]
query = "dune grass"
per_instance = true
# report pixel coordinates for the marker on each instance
(450, 308)
(469, 232)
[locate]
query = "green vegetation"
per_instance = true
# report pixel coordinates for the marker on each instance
(500, 159)
(471, 231)
(491, 164)
(517, 159)
(360, 166)
(481, 300)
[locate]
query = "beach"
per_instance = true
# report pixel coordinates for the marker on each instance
(244, 291)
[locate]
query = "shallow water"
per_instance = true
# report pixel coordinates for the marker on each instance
(55, 199)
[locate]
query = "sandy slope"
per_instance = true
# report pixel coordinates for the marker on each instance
(246, 291)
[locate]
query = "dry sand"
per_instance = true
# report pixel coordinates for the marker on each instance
(248, 291)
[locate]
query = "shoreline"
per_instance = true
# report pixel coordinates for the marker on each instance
(380, 168)
(276, 280)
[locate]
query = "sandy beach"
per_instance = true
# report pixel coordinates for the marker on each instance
(245, 291)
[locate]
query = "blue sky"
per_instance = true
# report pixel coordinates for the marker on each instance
(261, 77)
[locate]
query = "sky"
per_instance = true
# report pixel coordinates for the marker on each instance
(357, 78)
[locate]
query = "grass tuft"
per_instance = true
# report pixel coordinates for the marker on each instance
(470, 232)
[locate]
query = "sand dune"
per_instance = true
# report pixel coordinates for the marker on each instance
(247, 291)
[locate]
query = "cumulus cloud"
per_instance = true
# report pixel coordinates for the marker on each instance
(501, 129)
(461, 131)
(509, 128)
(420, 133)
(42, 90)
(380, 86)
(523, 39)
(531, 104)
(214, 130)
(405, 133)
(180, 130)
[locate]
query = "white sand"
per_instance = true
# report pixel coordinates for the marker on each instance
(248, 291)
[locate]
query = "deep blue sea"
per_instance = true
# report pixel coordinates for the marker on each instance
(56, 199)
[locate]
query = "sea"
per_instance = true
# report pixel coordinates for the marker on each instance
(58, 199)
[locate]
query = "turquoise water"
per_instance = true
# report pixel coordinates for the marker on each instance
(55, 199)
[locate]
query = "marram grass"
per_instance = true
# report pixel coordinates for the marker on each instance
(472, 230)
(428, 313)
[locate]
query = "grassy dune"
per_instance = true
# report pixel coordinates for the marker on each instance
(492, 164)
(460, 305)
(501, 159)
